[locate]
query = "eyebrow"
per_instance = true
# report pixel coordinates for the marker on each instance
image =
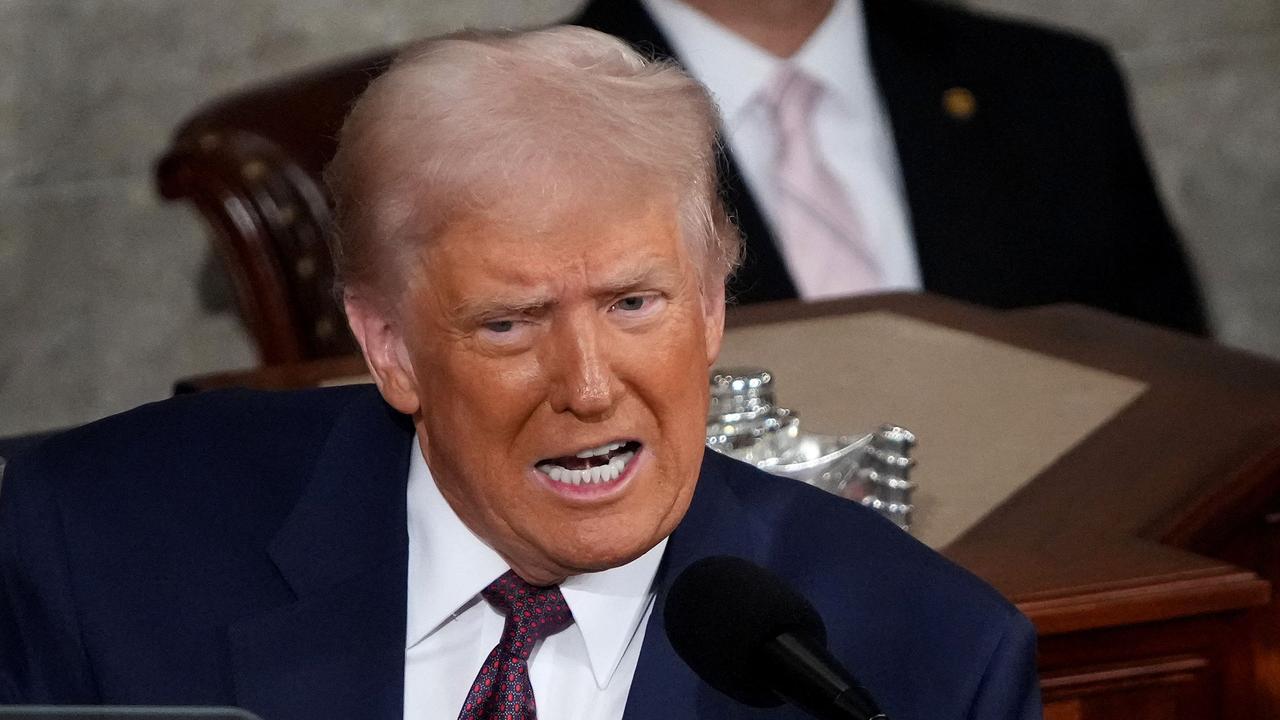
(477, 309)
(644, 276)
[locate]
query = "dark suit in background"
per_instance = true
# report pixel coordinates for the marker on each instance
(1042, 195)
(250, 549)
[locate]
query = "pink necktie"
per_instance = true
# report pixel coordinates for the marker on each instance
(501, 690)
(820, 235)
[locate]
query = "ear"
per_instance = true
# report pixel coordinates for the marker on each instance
(713, 317)
(382, 343)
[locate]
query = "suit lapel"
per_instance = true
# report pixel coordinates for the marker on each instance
(763, 275)
(946, 159)
(338, 650)
(717, 523)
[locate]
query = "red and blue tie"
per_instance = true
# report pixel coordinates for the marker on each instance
(501, 690)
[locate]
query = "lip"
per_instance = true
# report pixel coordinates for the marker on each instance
(602, 443)
(594, 492)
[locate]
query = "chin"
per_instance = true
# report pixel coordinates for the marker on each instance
(594, 558)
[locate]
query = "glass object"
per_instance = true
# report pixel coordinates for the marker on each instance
(744, 421)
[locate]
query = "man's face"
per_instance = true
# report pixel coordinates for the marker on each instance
(556, 367)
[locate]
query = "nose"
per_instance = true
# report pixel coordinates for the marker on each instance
(584, 382)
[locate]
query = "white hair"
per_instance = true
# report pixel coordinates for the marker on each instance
(460, 122)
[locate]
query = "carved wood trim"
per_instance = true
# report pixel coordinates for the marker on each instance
(270, 221)
(210, 181)
(1244, 497)
(1078, 682)
(251, 165)
(1147, 602)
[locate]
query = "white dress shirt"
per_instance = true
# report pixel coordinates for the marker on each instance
(583, 672)
(851, 123)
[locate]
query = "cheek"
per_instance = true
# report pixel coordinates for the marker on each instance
(678, 379)
(474, 418)
(492, 397)
(675, 352)
(673, 385)
(667, 372)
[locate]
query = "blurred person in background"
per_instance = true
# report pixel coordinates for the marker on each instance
(881, 145)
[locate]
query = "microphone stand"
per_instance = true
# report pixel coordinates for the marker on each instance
(807, 676)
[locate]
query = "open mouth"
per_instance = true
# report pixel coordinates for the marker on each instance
(593, 466)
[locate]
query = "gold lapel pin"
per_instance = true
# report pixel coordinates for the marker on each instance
(959, 103)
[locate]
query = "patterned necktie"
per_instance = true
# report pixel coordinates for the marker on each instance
(821, 237)
(501, 690)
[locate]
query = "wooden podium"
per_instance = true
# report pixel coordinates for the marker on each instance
(1144, 552)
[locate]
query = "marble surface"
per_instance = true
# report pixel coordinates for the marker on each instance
(98, 279)
(99, 282)
(116, 322)
(1205, 86)
(1211, 114)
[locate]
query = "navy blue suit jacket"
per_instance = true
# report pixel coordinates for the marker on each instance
(250, 549)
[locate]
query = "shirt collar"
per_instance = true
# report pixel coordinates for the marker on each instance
(609, 606)
(836, 55)
(449, 565)
(732, 68)
(737, 71)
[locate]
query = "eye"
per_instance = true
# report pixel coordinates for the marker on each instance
(505, 334)
(632, 303)
(640, 306)
(500, 326)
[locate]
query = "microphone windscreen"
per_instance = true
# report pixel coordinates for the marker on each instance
(721, 611)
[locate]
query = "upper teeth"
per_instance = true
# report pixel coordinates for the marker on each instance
(601, 473)
(602, 450)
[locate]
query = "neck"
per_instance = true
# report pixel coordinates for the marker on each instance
(779, 27)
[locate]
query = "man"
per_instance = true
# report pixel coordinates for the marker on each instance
(533, 254)
(988, 160)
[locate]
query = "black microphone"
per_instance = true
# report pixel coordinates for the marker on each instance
(752, 637)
